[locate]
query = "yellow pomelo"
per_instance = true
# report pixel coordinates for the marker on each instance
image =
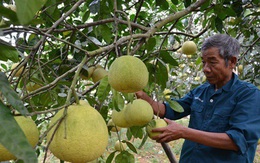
(98, 74)
(155, 123)
(240, 68)
(128, 74)
(113, 127)
(32, 86)
(31, 132)
(82, 136)
(189, 48)
(90, 71)
(138, 113)
(18, 73)
(119, 118)
(120, 146)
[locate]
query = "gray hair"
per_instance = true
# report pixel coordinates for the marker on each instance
(227, 45)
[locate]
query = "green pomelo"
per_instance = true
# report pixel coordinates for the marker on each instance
(139, 112)
(128, 74)
(98, 74)
(189, 48)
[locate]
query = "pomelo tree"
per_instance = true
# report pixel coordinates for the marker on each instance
(56, 41)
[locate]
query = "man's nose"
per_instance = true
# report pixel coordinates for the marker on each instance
(206, 68)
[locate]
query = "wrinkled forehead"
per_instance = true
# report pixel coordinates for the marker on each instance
(211, 53)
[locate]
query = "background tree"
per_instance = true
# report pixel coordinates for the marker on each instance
(56, 42)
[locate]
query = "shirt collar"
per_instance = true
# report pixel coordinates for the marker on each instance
(228, 86)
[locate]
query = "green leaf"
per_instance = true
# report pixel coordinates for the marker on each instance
(161, 74)
(117, 100)
(105, 32)
(51, 7)
(136, 131)
(175, 106)
(10, 95)
(26, 9)
(150, 44)
(167, 58)
(143, 140)
(125, 157)
(110, 157)
(8, 13)
(103, 89)
(187, 3)
(219, 24)
(218, 9)
(8, 53)
(205, 5)
(164, 5)
(130, 146)
(175, 2)
(13, 138)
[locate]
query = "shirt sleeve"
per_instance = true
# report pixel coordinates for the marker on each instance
(185, 102)
(245, 119)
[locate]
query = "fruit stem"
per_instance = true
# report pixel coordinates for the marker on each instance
(74, 82)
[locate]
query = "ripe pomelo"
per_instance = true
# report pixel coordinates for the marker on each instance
(128, 74)
(138, 113)
(31, 132)
(240, 68)
(155, 123)
(98, 74)
(82, 135)
(88, 73)
(18, 73)
(119, 118)
(112, 126)
(31, 86)
(189, 48)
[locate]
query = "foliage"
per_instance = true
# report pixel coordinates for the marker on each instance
(55, 39)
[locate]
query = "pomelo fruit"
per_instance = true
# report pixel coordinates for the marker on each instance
(120, 146)
(138, 113)
(155, 123)
(18, 73)
(98, 74)
(128, 74)
(189, 48)
(82, 135)
(118, 117)
(90, 71)
(31, 132)
(31, 86)
(112, 126)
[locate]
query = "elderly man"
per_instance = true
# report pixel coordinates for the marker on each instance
(224, 112)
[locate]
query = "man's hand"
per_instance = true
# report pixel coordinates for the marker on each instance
(171, 132)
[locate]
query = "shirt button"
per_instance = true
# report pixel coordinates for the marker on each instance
(211, 100)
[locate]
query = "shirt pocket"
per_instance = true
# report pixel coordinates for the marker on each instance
(196, 116)
(220, 119)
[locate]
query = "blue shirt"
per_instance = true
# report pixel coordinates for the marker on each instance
(233, 109)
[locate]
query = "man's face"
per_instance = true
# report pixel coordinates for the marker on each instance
(215, 68)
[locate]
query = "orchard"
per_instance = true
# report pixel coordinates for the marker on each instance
(57, 54)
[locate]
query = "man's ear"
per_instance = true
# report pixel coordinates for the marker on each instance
(232, 62)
